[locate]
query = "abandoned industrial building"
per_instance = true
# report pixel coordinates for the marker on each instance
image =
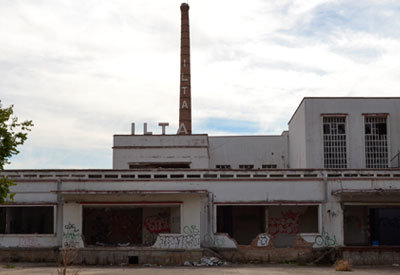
(332, 180)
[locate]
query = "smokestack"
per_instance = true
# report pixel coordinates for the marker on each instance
(185, 104)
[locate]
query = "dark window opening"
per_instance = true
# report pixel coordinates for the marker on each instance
(283, 223)
(286, 221)
(223, 166)
(159, 165)
(246, 166)
(269, 166)
(243, 223)
(128, 226)
(327, 129)
(341, 129)
(367, 129)
(365, 226)
(27, 220)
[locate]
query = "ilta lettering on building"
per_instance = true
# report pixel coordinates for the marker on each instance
(185, 105)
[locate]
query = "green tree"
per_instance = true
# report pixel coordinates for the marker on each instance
(12, 134)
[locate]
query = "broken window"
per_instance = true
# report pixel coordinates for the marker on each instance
(371, 225)
(283, 222)
(243, 223)
(27, 220)
(334, 142)
(128, 225)
(286, 221)
(376, 142)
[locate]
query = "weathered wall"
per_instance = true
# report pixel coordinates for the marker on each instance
(190, 228)
(197, 218)
(165, 148)
(160, 220)
(354, 107)
(297, 138)
(255, 150)
(72, 225)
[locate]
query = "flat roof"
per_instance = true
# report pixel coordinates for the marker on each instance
(337, 97)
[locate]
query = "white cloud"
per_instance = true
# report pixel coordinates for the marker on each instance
(83, 70)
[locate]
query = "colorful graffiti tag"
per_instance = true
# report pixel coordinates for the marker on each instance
(288, 223)
(324, 240)
(189, 240)
(157, 224)
(71, 235)
(263, 240)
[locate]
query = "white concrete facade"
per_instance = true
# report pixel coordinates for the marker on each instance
(305, 128)
(202, 193)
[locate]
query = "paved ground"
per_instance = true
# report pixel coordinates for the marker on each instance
(36, 269)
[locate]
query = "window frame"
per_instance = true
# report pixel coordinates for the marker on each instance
(389, 155)
(34, 234)
(333, 115)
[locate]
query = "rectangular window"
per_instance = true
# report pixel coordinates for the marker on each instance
(246, 166)
(371, 225)
(376, 142)
(223, 166)
(283, 222)
(334, 142)
(269, 166)
(27, 220)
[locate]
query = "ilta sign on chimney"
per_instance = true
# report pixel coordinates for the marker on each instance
(185, 105)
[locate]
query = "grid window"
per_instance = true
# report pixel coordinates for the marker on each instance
(223, 166)
(334, 138)
(376, 143)
(246, 166)
(269, 166)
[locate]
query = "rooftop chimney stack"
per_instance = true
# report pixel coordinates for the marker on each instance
(185, 104)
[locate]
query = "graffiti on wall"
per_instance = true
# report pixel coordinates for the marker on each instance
(263, 240)
(287, 223)
(157, 224)
(27, 242)
(190, 230)
(214, 241)
(71, 236)
(325, 240)
(189, 240)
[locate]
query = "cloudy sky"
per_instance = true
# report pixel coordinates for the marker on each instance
(83, 70)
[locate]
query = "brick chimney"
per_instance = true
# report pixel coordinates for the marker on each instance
(185, 104)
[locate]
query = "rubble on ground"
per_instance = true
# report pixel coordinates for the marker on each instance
(207, 261)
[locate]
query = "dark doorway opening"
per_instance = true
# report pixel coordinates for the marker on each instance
(112, 226)
(128, 225)
(133, 259)
(243, 223)
(366, 225)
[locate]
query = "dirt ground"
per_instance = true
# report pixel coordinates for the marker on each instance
(33, 269)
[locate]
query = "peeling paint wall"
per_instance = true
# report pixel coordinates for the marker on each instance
(159, 220)
(192, 149)
(254, 150)
(72, 225)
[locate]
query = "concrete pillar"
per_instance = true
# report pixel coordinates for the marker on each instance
(72, 225)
